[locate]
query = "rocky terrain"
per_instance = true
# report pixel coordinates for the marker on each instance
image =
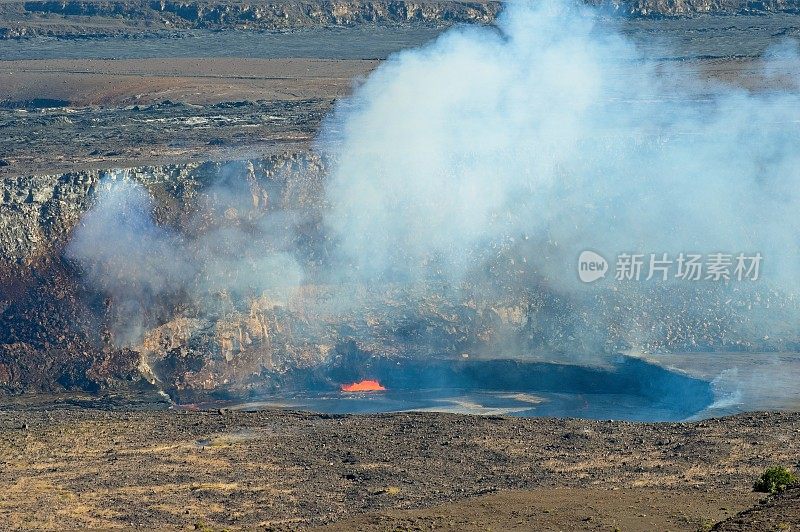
(23, 19)
(186, 137)
(66, 467)
(775, 513)
(155, 134)
(62, 116)
(85, 18)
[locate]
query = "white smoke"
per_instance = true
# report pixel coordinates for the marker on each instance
(224, 254)
(495, 156)
(552, 129)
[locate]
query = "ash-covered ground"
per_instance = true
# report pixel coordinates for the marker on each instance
(112, 466)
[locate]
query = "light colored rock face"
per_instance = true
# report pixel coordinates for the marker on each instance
(300, 14)
(26, 19)
(22, 19)
(38, 212)
(203, 334)
(62, 327)
(677, 8)
(269, 15)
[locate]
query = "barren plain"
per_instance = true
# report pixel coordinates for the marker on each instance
(67, 466)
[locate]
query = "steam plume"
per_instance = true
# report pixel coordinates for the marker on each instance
(515, 148)
(481, 166)
(231, 250)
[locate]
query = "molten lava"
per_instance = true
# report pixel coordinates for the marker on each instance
(363, 386)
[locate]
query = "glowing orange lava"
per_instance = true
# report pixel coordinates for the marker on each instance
(363, 386)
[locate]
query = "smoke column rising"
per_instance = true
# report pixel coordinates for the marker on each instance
(479, 167)
(147, 269)
(555, 129)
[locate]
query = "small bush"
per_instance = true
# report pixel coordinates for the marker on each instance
(775, 479)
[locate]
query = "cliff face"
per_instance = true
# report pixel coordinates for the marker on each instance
(678, 8)
(303, 14)
(60, 328)
(56, 329)
(43, 17)
(226, 283)
(48, 17)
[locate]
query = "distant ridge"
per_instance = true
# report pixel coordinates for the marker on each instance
(76, 18)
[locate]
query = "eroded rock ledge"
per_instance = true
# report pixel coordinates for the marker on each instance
(57, 329)
(60, 330)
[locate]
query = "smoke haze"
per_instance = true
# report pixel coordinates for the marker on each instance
(549, 128)
(514, 148)
(229, 249)
(474, 170)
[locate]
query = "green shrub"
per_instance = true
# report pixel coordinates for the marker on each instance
(775, 479)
